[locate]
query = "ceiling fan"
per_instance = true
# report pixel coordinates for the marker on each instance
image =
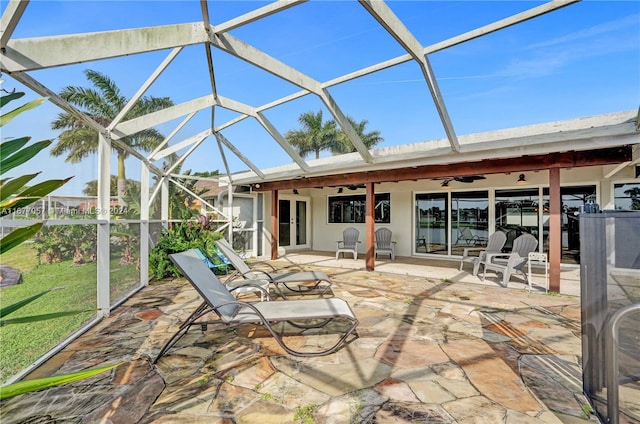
(463, 179)
(350, 187)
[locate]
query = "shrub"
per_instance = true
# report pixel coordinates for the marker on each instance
(183, 236)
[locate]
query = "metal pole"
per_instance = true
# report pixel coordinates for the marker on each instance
(611, 360)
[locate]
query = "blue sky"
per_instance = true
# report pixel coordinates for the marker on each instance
(581, 60)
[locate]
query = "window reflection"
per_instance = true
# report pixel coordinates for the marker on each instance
(517, 213)
(431, 223)
(469, 220)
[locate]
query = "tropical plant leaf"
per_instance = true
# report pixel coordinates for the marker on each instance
(15, 306)
(31, 194)
(43, 317)
(17, 236)
(9, 97)
(13, 185)
(10, 147)
(28, 386)
(17, 111)
(20, 157)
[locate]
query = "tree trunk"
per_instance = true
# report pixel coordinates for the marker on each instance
(122, 181)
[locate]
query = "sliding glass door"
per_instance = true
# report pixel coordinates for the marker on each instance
(469, 220)
(431, 221)
(517, 213)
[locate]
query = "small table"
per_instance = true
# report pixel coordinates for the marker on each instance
(540, 258)
(238, 286)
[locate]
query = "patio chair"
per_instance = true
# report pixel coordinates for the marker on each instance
(237, 286)
(294, 281)
(384, 244)
(494, 245)
(349, 243)
(516, 260)
(301, 314)
(469, 238)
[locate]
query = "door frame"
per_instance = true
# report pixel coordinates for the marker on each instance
(292, 224)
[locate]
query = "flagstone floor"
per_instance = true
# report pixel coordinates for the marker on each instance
(429, 350)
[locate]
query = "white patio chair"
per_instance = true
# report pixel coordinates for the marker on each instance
(384, 244)
(349, 243)
(494, 245)
(516, 260)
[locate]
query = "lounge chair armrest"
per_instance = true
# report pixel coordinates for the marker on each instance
(263, 263)
(257, 274)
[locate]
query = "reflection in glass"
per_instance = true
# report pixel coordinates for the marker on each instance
(573, 199)
(517, 213)
(431, 223)
(284, 226)
(627, 196)
(469, 219)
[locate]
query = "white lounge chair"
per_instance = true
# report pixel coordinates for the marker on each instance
(294, 281)
(301, 314)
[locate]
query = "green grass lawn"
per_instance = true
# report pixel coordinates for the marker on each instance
(22, 344)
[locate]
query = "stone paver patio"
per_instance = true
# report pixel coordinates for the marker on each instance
(429, 350)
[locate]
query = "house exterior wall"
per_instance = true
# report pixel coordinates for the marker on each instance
(324, 235)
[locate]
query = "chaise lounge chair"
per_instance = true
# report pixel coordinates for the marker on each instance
(302, 314)
(291, 280)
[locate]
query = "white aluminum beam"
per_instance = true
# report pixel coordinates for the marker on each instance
(263, 61)
(248, 53)
(257, 14)
(181, 145)
(171, 135)
(181, 159)
(10, 18)
(135, 125)
(223, 140)
(479, 32)
(28, 54)
(132, 101)
(103, 292)
(282, 141)
(394, 26)
(346, 126)
(224, 159)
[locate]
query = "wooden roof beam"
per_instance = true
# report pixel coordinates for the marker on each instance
(573, 159)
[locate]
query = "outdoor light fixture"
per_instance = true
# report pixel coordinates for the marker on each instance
(339, 190)
(256, 185)
(295, 191)
(444, 185)
(521, 180)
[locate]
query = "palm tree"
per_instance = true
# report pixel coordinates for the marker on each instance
(369, 139)
(102, 103)
(314, 136)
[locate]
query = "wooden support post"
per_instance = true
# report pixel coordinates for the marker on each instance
(370, 222)
(555, 230)
(274, 225)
